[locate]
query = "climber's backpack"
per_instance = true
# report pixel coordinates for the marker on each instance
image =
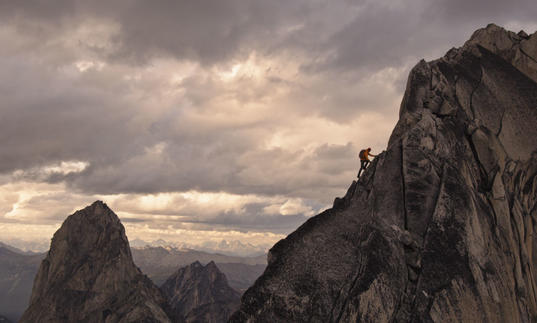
(362, 154)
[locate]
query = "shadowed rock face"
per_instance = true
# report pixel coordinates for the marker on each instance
(440, 227)
(89, 276)
(200, 293)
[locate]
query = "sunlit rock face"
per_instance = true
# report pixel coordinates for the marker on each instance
(440, 227)
(89, 276)
(198, 293)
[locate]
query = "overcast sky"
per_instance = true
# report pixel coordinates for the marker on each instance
(208, 120)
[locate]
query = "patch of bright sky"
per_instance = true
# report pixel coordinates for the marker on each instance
(30, 203)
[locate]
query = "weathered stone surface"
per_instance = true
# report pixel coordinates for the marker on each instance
(88, 275)
(198, 293)
(440, 226)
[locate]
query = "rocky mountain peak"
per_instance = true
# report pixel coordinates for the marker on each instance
(89, 231)
(89, 275)
(200, 293)
(516, 48)
(440, 227)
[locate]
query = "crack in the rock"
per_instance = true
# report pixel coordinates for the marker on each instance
(441, 187)
(528, 55)
(404, 185)
(359, 274)
(474, 90)
(410, 291)
(433, 296)
(482, 171)
(435, 209)
(393, 319)
(533, 209)
(501, 123)
(493, 211)
(517, 287)
(455, 93)
(335, 303)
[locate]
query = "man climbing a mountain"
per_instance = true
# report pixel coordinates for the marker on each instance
(364, 159)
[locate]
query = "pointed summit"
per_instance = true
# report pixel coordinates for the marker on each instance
(88, 275)
(200, 293)
(441, 226)
(519, 49)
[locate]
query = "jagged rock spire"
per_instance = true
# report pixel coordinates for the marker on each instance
(89, 276)
(200, 293)
(441, 226)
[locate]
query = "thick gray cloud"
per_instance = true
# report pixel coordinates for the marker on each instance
(270, 98)
(209, 30)
(345, 33)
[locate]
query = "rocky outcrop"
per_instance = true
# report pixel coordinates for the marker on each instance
(88, 275)
(159, 263)
(198, 293)
(440, 227)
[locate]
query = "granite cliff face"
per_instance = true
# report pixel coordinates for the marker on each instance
(440, 227)
(88, 275)
(198, 293)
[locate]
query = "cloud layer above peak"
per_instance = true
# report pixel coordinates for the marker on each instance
(264, 104)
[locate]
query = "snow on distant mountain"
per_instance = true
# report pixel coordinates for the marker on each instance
(28, 247)
(230, 248)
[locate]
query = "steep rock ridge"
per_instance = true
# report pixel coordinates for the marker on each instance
(440, 227)
(89, 276)
(198, 293)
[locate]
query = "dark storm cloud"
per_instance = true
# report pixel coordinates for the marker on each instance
(208, 30)
(479, 11)
(132, 98)
(393, 33)
(215, 168)
(339, 34)
(49, 115)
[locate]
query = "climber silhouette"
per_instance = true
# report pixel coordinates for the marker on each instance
(364, 159)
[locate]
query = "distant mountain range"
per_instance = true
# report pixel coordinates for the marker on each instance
(17, 272)
(234, 248)
(230, 248)
(159, 263)
(27, 247)
(18, 269)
